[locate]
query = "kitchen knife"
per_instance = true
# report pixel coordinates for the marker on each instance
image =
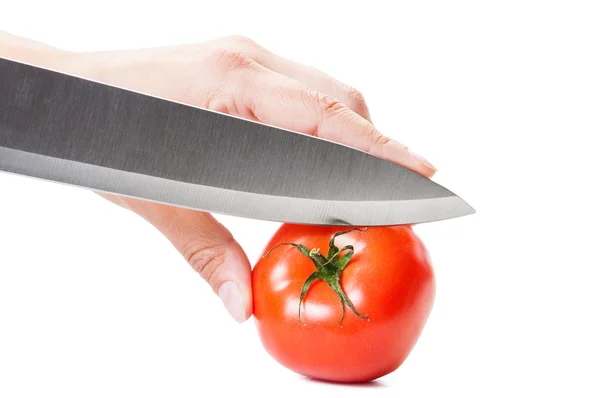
(75, 131)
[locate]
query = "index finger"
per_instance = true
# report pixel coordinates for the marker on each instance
(284, 102)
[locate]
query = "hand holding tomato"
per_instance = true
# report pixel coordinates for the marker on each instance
(342, 304)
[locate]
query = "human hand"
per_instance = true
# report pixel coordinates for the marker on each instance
(236, 76)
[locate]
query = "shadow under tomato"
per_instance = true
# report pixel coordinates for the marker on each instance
(362, 384)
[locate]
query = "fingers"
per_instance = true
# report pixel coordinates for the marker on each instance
(284, 102)
(309, 76)
(207, 246)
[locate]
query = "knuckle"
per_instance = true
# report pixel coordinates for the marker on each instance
(354, 96)
(206, 259)
(355, 100)
(230, 60)
(243, 40)
(328, 105)
(378, 140)
(246, 46)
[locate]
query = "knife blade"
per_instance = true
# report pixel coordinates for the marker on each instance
(75, 131)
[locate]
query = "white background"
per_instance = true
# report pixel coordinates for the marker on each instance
(503, 97)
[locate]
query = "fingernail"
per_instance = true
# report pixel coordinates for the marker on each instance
(423, 161)
(232, 300)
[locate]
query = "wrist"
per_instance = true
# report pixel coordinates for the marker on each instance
(34, 53)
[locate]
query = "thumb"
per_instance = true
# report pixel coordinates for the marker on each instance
(207, 246)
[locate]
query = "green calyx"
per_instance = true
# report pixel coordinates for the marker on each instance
(329, 270)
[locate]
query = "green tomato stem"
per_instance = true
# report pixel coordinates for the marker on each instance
(329, 270)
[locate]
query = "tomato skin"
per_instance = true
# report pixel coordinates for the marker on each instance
(389, 278)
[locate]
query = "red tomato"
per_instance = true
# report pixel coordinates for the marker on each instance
(388, 280)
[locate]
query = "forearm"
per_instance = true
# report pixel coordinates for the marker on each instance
(31, 52)
(106, 66)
